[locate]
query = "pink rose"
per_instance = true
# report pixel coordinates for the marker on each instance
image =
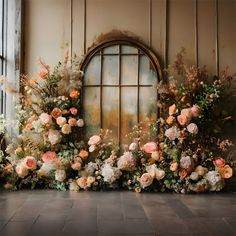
(45, 118)
(186, 112)
(172, 110)
(172, 133)
(73, 111)
(127, 162)
(30, 162)
(21, 170)
(170, 120)
(54, 136)
(49, 156)
(174, 166)
(146, 180)
(219, 162)
(192, 128)
(94, 140)
(195, 110)
(150, 147)
(76, 166)
(183, 120)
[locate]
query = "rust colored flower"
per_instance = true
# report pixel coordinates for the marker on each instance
(183, 173)
(33, 118)
(74, 93)
(56, 112)
(42, 74)
(83, 154)
(33, 80)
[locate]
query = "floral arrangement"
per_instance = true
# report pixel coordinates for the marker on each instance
(185, 150)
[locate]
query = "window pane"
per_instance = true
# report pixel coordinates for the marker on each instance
(129, 70)
(128, 111)
(110, 70)
(111, 49)
(147, 73)
(147, 103)
(129, 49)
(91, 110)
(92, 75)
(111, 110)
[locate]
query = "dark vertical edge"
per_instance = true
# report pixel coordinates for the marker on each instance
(138, 89)
(85, 24)
(196, 32)
(166, 22)
(119, 78)
(2, 53)
(71, 28)
(217, 36)
(150, 23)
(101, 89)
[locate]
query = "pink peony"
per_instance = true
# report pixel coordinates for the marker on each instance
(150, 147)
(195, 110)
(219, 162)
(192, 128)
(94, 140)
(45, 118)
(30, 162)
(73, 111)
(172, 133)
(146, 180)
(54, 136)
(49, 156)
(127, 162)
(172, 110)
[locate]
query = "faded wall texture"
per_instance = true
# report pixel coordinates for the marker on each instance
(52, 26)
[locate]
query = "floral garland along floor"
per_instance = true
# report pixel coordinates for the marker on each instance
(186, 150)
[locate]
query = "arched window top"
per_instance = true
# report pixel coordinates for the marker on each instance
(119, 86)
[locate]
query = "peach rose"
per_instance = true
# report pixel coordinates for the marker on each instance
(83, 154)
(90, 181)
(30, 162)
(66, 129)
(49, 156)
(172, 133)
(82, 182)
(183, 120)
(21, 170)
(192, 128)
(42, 74)
(61, 121)
(33, 118)
(74, 93)
(195, 110)
(28, 127)
(150, 147)
(54, 136)
(170, 120)
(138, 190)
(226, 172)
(73, 111)
(146, 180)
(56, 112)
(172, 110)
(76, 166)
(9, 168)
(45, 118)
(72, 122)
(186, 112)
(174, 166)
(219, 162)
(94, 140)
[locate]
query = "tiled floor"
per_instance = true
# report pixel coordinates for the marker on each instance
(45, 212)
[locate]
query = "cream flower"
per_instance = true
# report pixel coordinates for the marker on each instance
(146, 180)
(60, 175)
(66, 129)
(61, 121)
(21, 170)
(45, 118)
(80, 122)
(54, 136)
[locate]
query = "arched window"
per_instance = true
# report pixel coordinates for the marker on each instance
(119, 86)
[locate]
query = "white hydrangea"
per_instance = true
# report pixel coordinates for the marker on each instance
(91, 167)
(110, 174)
(214, 179)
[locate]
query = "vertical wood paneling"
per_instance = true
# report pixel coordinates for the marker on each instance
(125, 15)
(227, 35)
(181, 29)
(206, 34)
(158, 27)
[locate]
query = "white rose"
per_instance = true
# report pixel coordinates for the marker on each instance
(194, 176)
(61, 121)
(80, 123)
(60, 175)
(192, 128)
(133, 146)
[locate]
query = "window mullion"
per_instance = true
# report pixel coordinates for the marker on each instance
(119, 81)
(101, 89)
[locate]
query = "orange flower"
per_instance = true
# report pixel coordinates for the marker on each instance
(42, 74)
(28, 127)
(28, 101)
(33, 80)
(56, 112)
(183, 173)
(83, 154)
(72, 122)
(33, 118)
(226, 172)
(74, 93)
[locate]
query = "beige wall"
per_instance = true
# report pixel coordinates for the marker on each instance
(52, 26)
